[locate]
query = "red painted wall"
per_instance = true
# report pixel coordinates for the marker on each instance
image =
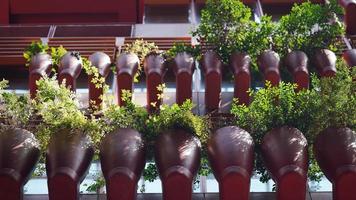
(70, 11)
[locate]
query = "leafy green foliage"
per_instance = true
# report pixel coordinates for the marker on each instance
(33, 49)
(15, 110)
(60, 109)
(180, 117)
(177, 48)
(309, 27)
(336, 99)
(57, 54)
(275, 107)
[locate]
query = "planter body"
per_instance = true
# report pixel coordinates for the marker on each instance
(18, 157)
(67, 162)
(285, 154)
(122, 157)
(350, 15)
(177, 156)
(102, 62)
(268, 63)
(212, 67)
(297, 65)
(154, 70)
(240, 64)
(127, 66)
(231, 155)
(183, 69)
(335, 151)
(350, 57)
(69, 69)
(325, 62)
(41, 65)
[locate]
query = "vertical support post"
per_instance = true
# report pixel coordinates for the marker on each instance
(240, 64)
(69, 69)
(296, 62)
(212, 67)
(127, 66)
(153, 66)
(102, 62)
(350, 15)
(350, 57)
(184, 67)
(325, 63)
(268, 63)
(40, 66)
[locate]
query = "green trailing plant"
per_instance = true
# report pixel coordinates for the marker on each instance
(59, 109)
(141, 48)
(274, 107)
(56, 55)
(33, 49)
(194, 51)
(336, 98)
(309, 27)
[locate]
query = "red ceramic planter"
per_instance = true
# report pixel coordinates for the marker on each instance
(67, 162)
(69, 69)
(325, 62)
(127, 66)
(268, 63)
(177, 156)
(335, 151)
(102, 62)
(297, 65)
(18, 157)
(350, 57)
(41, 65)
(212, 67)
(350, 15)
(240, 64)
(183, 68)
(122, 157)
(231, 154)
(285, 154)
(154, 70)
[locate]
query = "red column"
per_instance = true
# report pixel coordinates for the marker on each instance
(184, 68)
(40, 66)
(296, 62)
(126, 65)
(268, 63)
(102, 62)
(69, 69)
(240, 64)
(325, 62)
(350, 15)
(350, 57)
(212, 67)
(154, 77)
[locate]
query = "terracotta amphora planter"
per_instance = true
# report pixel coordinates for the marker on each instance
(268, 63)
(285, 154)
(177, 156)
(350, 57)
(18, 156)
(183, 68)
(297, 65)
(212, 67)
(335, 151)
(231, 154)
(240, 64)
(101, 61)
(350, 15)
(68, 159)
(122, 157)
(154, 69)
(325, 62)
(41, 65)
(127, 66)
(69, 69)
